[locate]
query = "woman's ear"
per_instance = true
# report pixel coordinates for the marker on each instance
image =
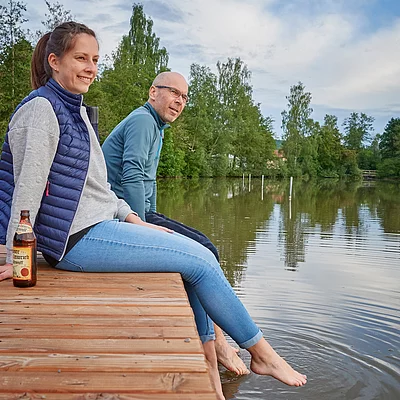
(52, 59)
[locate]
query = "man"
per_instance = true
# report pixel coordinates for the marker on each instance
(132, 153)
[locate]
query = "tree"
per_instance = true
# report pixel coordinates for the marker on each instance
(358, 130)
(234, 91)
(389, 143)
(329, 148)
(125, 83)
(11, 19)
(13, 88)
(370, 157)
(225, 130)
(56, 15)
(172, 160)
(297, 125)
(15, 56)
(204, 140)
(246, 133)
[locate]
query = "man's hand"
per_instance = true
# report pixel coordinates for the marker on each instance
(135, 219)
(6, 271)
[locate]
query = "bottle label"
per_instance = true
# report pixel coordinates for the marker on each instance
(24, 228)
(22, 263)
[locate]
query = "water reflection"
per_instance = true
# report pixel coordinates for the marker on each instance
(319, 274)
(232, 211)
(224, 210)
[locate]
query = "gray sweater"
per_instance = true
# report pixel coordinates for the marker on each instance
(33, 137)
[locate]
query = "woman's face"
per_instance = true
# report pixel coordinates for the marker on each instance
(77, 68)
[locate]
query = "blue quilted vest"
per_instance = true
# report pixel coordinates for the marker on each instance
(66, 178)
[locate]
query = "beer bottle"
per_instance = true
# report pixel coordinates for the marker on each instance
(24, 253)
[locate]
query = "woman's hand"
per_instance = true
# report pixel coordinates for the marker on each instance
(6, 271)
(135, 219)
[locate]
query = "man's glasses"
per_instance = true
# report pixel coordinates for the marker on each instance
(175, 92)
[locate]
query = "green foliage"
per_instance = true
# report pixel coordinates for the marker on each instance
(358, 130)
(349, 166)
(370, 157)
(389, 146)
(11, 19)
(204, 137)
(125, 83)
(248, 135)
(297, 125)
(172, 162)
(389, 143)
(225, 131)
(329, 148)
(222, 130)
(13, 86)
(389, 168)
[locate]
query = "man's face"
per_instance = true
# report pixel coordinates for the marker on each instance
(169, 97)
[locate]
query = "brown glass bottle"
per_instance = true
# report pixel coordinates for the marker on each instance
(24, 253)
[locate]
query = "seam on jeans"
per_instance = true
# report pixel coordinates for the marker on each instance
(206, 338)
(214, 271)
(72, 263)
(150, 247)
(252, 341)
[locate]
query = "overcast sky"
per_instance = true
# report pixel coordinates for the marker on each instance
(346, 52)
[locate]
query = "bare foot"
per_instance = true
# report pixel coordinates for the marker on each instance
(265, 361)
(229, 358)
(228, 355)
(211, 358)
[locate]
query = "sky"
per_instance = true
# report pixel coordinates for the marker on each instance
(345, 52)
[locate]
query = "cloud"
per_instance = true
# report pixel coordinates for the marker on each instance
(163, 11)
(346, 53)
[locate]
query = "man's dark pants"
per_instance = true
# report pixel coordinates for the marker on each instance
(162, 220)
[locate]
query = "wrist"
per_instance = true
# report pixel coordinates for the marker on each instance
(133, 218)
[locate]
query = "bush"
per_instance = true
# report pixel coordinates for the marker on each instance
(389, 168)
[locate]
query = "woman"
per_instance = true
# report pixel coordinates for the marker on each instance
(52, 164)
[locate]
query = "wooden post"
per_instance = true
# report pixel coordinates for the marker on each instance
(262, 187)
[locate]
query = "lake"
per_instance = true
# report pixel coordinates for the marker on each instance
(319, 273)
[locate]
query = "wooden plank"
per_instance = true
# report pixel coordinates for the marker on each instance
(98, 346)
(95, 332)
(129, 382)
(100, 308)
(96, 320)
(76, 299)
(107, 396)
(103, 362)
(48, 273)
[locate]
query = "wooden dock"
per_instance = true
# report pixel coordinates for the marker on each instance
(109, 336)
(368, 174)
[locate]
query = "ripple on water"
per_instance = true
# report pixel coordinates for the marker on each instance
(347, 344)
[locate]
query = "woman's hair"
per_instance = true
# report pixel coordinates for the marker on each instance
(58, 42)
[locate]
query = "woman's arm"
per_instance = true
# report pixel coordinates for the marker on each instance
(33, 138)
(135, 219)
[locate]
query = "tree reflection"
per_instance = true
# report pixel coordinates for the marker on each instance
(224, 210)
(232, 213)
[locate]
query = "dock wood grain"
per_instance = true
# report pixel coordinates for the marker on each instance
(110, 336)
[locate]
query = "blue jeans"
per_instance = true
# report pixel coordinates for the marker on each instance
(113, 246)
(161, 220)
